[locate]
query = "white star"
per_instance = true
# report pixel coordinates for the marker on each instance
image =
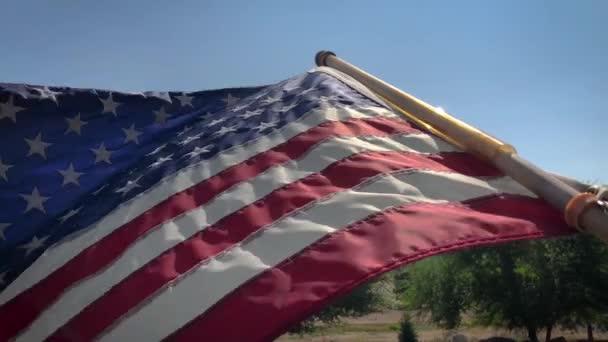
(19, 89)
(35, 201)
(287, 108)
(33, 245)
(74, 125)
(109, 105)
(70, 176)
(291, 86)
(135, 93)
(130, 185)
(9, 110)
(3, 227)
(189, 139)
(328, 98)
(265, 125)
(99, 190)
(230, 100)
(69, 214)
(270, 100)
(160, 161)
(101, 154)
(238, 108)
(198, 151)
(216, 121)
(185, 100)
(226, 130)
(3, 169)
(304, 92)
(46, 93)
(160, 116)
(161, 95)
(260, 95)
(204, 117)
(131, 134)
(251, 113)
(156, 150)
(37, 146)
(184, 131)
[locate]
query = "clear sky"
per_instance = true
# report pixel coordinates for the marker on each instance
(533, 73)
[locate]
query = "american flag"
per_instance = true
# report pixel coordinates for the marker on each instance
(225, 215)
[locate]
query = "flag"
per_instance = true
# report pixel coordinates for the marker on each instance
(225, 215)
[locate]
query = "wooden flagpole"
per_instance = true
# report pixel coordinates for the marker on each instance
(582, 210)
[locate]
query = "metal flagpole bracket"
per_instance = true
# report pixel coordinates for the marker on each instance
(583, 210)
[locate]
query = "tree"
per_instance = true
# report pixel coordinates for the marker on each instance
(434, 287)
(512, 286)
(530, 285)
(585, 277)
(371, 297)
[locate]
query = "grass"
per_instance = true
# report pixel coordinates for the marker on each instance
(369, 328)
(386, 329)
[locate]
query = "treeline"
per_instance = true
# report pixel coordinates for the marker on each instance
(529, 285)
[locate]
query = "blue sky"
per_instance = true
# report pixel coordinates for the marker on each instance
(533, 73)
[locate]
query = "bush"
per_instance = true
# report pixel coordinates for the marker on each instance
(406, 330)
(374, 296)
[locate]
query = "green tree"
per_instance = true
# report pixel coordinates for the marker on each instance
(433, 286)
(530, 285)
(584, 273)
(512, 286)
(371, 297)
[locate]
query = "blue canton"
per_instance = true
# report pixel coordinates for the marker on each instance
(70, 156)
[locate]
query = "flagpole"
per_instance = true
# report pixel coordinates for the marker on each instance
(582, 210)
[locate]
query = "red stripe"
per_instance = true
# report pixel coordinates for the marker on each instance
(267, 306)
(33, 301)
(339, 176)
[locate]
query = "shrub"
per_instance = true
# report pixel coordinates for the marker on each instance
(406, 330)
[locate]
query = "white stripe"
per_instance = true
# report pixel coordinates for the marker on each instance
(351, 82)
(206, 284)
(58, 255)
(186, 225)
